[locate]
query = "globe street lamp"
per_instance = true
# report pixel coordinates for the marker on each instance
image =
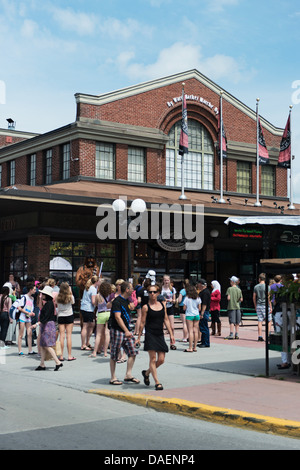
(137, 206)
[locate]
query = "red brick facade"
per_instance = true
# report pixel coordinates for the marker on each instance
(158, 108)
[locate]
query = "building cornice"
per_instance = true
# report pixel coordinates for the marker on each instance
(87, 129)
(105, 98)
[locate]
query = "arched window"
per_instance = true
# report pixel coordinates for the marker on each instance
(199, 162)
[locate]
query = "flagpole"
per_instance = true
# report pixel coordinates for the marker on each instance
(257, 204)
(221, 200)
(291, 205)
(182, 196)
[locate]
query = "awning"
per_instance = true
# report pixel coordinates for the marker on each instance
(280, 220)
(283, 265)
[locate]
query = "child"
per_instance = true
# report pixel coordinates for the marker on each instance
(26, 313)
(191, 305)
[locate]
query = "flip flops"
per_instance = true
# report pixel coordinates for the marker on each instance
(115, 382)
(133, 380)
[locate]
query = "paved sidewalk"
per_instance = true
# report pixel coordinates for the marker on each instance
(225, 383)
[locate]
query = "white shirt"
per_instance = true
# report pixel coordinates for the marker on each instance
(192, 306)
(65, 310)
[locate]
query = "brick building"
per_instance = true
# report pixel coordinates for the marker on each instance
(125, 143)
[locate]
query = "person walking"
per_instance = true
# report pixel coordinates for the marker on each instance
(87, 307)
(204, 295)
(192, 306)
(154, 317)
(103, 314)
(215, 299)
(65, 318)
(47, 323)
(234, 298)
(259, 302)
(5, 320)
(121, 336)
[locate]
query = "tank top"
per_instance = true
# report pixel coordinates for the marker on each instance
(155, 320)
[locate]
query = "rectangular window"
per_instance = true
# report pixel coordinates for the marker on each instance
(243, 177)
(48, 167)
(136, 164)
(268, 180)
(32, 170)
(66, 157)
(12, 172)
(105, 161)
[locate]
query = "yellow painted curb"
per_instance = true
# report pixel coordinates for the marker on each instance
(209, 413)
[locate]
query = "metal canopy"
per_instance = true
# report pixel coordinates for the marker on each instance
(279, 220)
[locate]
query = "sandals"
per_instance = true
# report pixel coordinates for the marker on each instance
(159, 387)
(133, 380)
(115, 382)
(146, 378)
(188, 350)
(173, 347)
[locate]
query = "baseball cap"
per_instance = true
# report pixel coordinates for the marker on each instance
(234, 279)
(202, 281)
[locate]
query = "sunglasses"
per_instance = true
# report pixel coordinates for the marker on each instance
(153, 291)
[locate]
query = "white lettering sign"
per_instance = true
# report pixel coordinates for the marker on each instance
(198, 99)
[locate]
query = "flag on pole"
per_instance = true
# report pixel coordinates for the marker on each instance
(262, 148)
(284, 159)
(184, 139)
(222, 136)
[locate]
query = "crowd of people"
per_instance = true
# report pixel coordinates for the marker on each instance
(45, 313)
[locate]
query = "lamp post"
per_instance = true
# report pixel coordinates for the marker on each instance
(137, 206)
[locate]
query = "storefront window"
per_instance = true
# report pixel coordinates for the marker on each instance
(199, 162)
(15, 261)
(67, 257)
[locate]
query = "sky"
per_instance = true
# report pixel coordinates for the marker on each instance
(52, 49)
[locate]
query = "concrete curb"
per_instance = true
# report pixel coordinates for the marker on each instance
(209, 413)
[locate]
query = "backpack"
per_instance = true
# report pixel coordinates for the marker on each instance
(14, 312)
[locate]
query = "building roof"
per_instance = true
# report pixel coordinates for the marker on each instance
(90, 193)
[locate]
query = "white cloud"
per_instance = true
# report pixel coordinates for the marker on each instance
(29, 28)
(179, 57)
(114, 28)
(81, 23)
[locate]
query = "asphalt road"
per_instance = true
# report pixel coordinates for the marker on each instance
(36, 414)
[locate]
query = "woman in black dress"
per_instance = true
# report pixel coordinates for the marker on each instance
(154, 316)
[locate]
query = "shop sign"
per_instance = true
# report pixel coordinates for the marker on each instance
(198, 99)
(254, 233)
(290, 237)
(172, 244)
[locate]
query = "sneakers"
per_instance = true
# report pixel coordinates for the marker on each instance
(236, 336)
(260, 338)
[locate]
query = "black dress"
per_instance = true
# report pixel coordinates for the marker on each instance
(154, 333)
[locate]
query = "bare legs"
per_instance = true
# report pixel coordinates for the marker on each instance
(156, 359)
(193, 328)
